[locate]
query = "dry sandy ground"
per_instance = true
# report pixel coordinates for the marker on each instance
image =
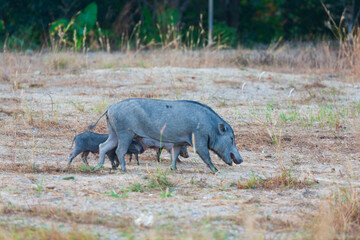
(41, 111)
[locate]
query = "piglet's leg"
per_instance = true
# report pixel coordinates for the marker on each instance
(113, 159)
(137, 158)
(117, 163)
(73, 155)
(158, 153)
(84, 157)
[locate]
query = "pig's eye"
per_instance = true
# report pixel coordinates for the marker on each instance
(232, 140)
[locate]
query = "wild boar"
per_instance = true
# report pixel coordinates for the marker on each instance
(87, 142)
(179, 122)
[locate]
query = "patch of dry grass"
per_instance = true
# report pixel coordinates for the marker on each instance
(48, 169)
(321, 57)
(339, 216)
(14, 232)
(283, 180)
(66, 216)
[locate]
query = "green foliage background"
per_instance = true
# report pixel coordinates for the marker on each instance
(31, 24)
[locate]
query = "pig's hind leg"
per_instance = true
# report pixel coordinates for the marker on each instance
(124, 141)
(107, 146)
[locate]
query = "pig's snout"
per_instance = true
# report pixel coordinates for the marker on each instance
(236, 158)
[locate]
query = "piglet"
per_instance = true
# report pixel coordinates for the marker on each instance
(87, 142)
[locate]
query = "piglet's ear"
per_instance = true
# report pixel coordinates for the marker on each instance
(222, 128)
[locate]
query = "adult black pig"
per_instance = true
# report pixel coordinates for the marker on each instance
(179, 122)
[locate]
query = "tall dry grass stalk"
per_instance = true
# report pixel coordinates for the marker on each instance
(349, 42)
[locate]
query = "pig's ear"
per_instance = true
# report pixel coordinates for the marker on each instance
(222, 128)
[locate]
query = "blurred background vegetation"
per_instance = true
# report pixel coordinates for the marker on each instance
(147, 24)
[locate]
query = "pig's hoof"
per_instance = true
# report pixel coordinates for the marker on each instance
(173, 168)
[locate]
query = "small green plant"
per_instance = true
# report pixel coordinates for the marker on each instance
(86, 168)
(287, 177)
(136, 187)
(35, 168)
(78, 106)
(167, 193)
(291, 114)
(159, 180)
(100, 107)
(269, 110)
(283, 116)
(11, 205)
(122, 194)
(40, 186)
(233, 184)
(112, 193)
(192, 182)
(253, 182)
(69, 178)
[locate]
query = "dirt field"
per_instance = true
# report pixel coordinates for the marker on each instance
(297, 133)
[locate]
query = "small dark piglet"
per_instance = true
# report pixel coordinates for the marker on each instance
(87, 142)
